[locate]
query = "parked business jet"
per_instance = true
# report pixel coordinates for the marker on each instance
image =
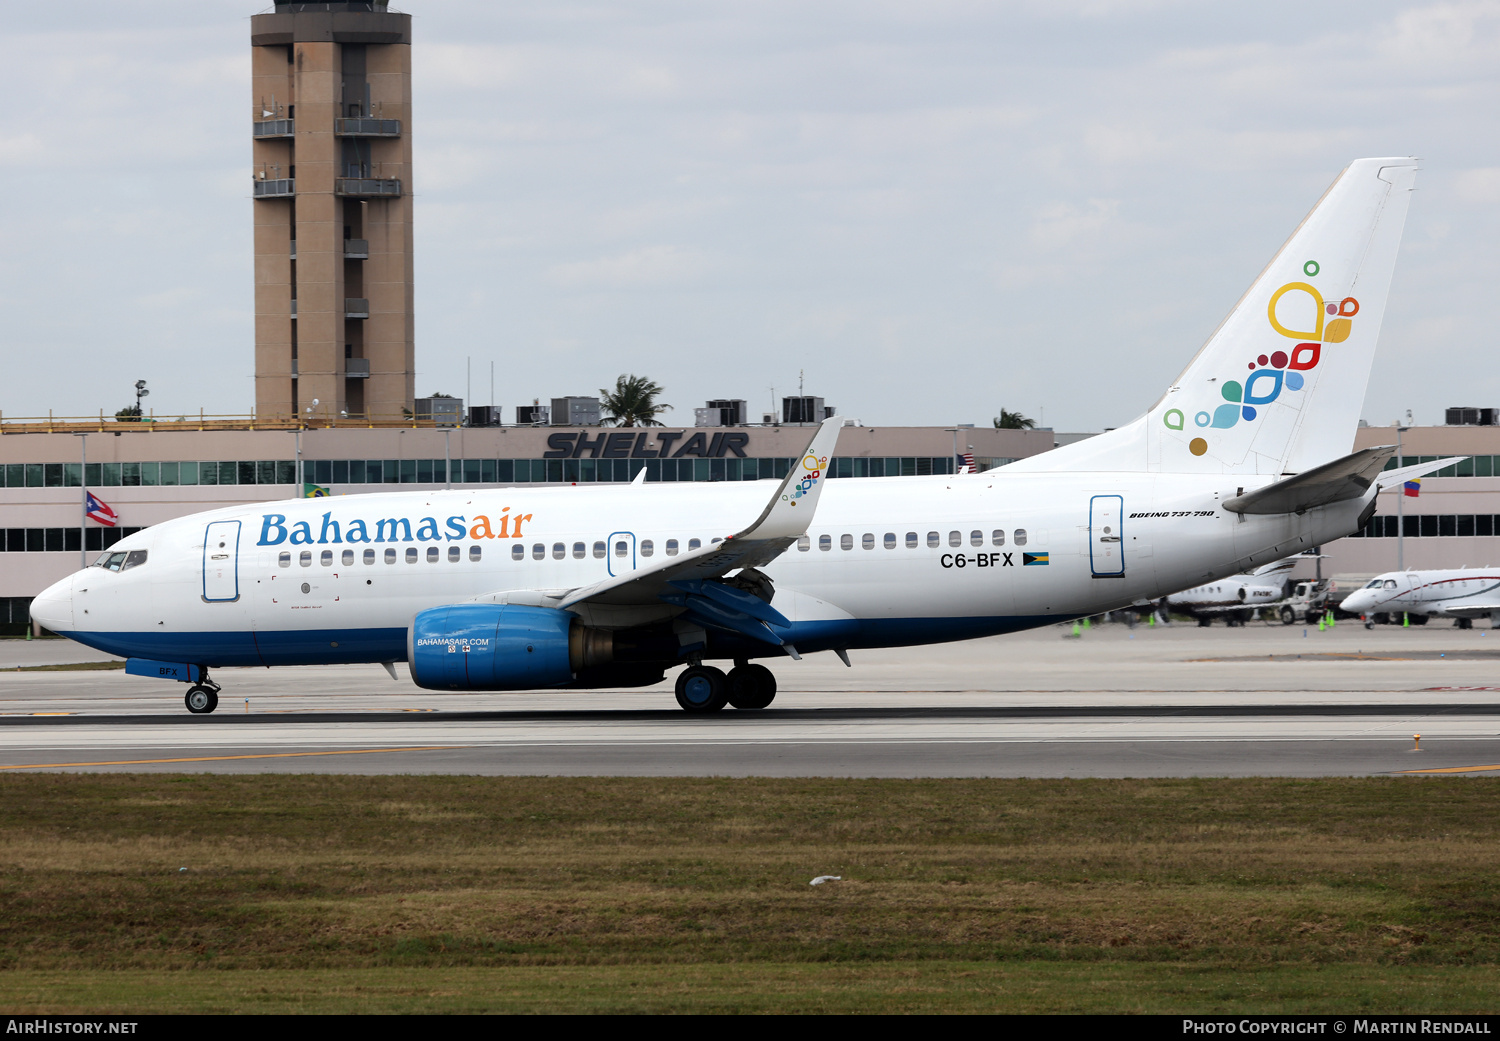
(1233, 598)
(1462, 593)
(1243, 461)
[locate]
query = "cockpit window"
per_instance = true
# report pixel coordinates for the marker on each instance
(1374, 584)
(1390, 583)
(121, 560)
(135, 558)
(110, 561)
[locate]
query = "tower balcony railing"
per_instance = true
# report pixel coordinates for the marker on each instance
(357, 368)
(294, 368)
(294, 307)
(356, 308)
(356, 249)
(269, 128)
(367, 187)
(276, 188)
(364, 127)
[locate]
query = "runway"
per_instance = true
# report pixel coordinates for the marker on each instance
(1171, 702)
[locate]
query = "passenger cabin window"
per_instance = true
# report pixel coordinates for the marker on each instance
(867, 540)
(955, 538)
(475, 552)
(599, 549)
(517, 552)
(1020, 535)
(622, 548)
(390, 556)
(305, 558)
(348, 558)
(825, 542)
(453, 554)
(647, 547)
(538, 551)
(694, 544)
(804, 544)
(433, 554)
(559, 551)
(284, 560)
(326, 558)
(976, 538)
(890, 540)
(411, 554)
(369, 556)
(846, 542)
(997, 537)
(671, 547)
(933, 540)
(911, 540)
(579, 550)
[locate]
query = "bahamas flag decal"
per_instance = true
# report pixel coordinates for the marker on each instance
(1029, 559)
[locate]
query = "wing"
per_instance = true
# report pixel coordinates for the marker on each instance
(689, 583)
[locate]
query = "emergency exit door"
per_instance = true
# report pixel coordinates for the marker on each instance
(221, 562)
(1106, 545)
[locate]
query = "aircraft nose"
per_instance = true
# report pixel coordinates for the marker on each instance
(53, 608)
(1355, 603)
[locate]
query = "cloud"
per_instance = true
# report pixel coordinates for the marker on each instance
(650, 267)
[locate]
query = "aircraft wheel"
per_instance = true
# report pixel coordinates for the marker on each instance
(1466, 623)
(1204, 623)
(751, 686)
(702, 688)
(201, 699)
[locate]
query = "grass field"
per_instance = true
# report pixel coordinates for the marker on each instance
(340, 893)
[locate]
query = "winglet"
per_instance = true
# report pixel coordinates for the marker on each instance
(790, 511)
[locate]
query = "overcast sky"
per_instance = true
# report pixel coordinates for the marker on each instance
(934, 208)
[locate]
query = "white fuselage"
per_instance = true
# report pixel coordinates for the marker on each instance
(1235, 593)
(886, 562)
(1454, 593)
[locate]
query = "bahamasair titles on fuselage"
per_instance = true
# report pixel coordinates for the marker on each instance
(1244, 460)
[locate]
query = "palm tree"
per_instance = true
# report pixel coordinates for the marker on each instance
(1013, 421)
(631, 403)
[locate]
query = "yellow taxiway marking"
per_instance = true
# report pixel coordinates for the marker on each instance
(220, 758)
(1451, 770)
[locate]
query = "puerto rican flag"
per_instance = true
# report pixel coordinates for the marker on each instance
(99, 510)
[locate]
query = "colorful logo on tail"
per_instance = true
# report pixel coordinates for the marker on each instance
(1271, 375)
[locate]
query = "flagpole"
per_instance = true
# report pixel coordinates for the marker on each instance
(83, 501)
(1400, 513)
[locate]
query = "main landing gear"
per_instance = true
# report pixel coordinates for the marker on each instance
(203, 696)
(703, 688)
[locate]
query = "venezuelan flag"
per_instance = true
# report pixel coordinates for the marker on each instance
(1413, 488)
(1031, 559)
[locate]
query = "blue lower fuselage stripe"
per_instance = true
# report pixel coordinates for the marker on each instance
(353, 646)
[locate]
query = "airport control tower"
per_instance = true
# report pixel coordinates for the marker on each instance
(333, 216)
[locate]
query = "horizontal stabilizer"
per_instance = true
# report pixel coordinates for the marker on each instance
(1338, 481)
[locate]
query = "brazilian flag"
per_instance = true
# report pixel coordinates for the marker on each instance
(314, 491)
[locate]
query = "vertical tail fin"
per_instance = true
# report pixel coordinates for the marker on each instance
(1279, 385)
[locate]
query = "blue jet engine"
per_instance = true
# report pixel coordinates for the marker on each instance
(502, 647)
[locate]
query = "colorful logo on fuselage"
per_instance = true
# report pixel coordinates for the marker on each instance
(1277, 372)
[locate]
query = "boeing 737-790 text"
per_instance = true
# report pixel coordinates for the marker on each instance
(1243, 461)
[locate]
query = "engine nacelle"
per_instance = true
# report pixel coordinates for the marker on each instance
(501, 647)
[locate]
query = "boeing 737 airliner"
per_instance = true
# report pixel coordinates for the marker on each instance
(1244, 460)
